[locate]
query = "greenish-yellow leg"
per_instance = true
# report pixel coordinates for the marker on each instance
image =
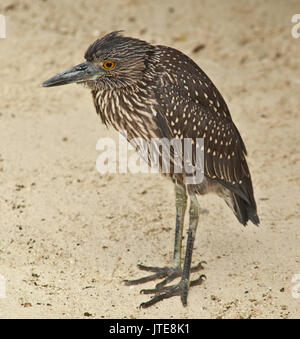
(170, 273)
(180, 203)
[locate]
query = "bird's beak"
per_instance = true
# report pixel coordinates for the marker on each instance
(79, 73)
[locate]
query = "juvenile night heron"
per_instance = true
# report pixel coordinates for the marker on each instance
(158, 92)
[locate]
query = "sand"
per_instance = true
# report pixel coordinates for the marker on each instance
(69, 235)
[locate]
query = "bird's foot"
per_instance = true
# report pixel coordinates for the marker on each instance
(163, 292)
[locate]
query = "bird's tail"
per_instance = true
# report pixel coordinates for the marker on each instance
(240, 198)
(243, 210)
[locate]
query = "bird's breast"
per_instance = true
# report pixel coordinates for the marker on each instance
(130, 111)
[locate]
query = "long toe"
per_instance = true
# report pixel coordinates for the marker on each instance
(179, 289)
(160, 272)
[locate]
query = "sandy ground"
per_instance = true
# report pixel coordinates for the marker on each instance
(69, 236)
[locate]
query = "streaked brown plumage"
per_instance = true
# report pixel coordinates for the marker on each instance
(158, 92)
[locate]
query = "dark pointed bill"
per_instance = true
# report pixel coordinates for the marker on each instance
(79, 73)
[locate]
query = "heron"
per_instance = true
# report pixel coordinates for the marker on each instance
(154, 91)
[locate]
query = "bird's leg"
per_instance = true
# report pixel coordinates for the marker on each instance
(182, 287)
(193, 223)
(180, 203)
(170, 273)
(175, 270)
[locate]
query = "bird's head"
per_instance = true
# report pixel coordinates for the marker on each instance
(113, 61)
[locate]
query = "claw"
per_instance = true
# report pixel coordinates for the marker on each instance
(198, 281)
(199, 266)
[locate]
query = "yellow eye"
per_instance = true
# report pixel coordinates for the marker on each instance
(109, 64)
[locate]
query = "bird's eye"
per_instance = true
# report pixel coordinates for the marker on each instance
(109, 64)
